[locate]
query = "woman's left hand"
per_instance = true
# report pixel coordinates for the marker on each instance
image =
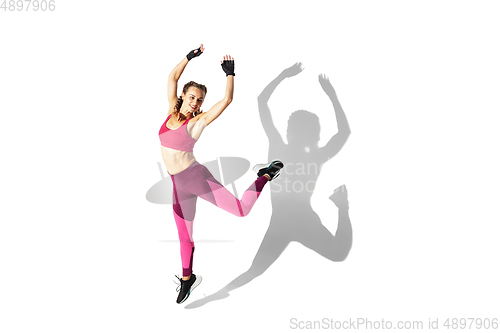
(228, 65)
(326, 85)
(195, 53)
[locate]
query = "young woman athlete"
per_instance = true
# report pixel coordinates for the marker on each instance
(178, 135)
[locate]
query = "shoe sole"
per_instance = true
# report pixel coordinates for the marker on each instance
(257, 167)
(195, 284)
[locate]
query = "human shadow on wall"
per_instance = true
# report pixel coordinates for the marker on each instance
(293, 218)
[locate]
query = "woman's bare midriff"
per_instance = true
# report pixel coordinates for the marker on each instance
(176, 160)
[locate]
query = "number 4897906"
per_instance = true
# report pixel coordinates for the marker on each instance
(27, 5)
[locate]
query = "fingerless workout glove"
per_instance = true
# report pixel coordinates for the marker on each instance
(228, 67)
(192, 54)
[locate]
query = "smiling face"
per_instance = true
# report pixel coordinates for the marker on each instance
(192, 101)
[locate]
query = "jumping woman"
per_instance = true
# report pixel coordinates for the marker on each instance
(178, 135)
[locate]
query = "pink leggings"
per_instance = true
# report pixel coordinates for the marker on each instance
(196, 181)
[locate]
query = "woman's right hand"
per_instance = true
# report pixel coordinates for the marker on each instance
(195, 53)
(326, 85)
(293, 70)
(228, 65)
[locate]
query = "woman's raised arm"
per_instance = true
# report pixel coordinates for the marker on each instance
(219, 107)
(174, 76)
(263, 99)
(337, 141)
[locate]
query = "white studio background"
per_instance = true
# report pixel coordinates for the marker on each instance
(83, 94)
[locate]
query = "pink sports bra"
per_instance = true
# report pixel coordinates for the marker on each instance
(178, 139)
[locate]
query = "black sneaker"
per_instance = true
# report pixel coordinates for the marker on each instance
(271, 169)
(185, 287)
